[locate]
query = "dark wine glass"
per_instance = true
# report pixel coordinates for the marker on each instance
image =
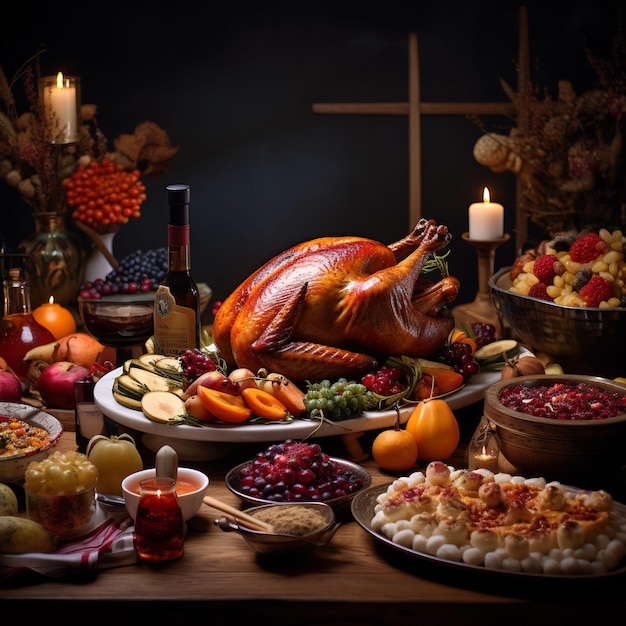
(122, 321)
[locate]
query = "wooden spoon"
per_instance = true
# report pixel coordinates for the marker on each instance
(237, 516)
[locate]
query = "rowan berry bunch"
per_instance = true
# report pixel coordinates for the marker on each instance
(103, 195)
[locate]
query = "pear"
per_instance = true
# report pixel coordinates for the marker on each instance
(78, 348)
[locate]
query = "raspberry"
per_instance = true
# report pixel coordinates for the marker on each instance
(539, 291)
(543, 268)
(587, 248)
(597, 290)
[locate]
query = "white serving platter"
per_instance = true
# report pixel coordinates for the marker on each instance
(250, 432)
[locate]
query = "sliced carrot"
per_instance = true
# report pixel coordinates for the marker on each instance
(446, 379)
(264, 404)
(227, 407)
(457, 335)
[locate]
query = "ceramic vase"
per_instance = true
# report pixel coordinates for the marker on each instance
(97, 265)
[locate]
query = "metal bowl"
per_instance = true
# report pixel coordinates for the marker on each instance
(233, 482)
(582, 340)
(264, 543)
(564, 450)
(12, 467)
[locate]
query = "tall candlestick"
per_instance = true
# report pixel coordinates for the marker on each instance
(62, 106)
(486, 219)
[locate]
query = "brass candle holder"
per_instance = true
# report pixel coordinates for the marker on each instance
(482, 309)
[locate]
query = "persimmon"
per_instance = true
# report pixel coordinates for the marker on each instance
(264, 404)
(435, 429)
(395, 449)
(227, 407)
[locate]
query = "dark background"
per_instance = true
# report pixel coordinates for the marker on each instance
(234, 84)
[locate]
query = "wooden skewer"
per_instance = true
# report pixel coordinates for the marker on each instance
(238, 516)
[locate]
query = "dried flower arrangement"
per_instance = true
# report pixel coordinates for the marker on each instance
(569, 153)
(46, 175)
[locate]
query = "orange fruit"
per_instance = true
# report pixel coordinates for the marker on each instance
(395, 450)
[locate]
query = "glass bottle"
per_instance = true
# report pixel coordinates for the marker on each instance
(177, 300)
(89, 419)
(19, 331)
(159, 527)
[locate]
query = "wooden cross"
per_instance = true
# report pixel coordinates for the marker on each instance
(415, 108)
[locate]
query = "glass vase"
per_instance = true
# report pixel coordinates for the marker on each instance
(56, 260)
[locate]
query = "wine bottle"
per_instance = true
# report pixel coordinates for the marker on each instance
(177, 300)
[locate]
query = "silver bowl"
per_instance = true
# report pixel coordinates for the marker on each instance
(265, 543)
(582, 340)
(12, 467)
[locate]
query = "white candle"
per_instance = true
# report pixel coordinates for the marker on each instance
(61, 103)
(486, 219)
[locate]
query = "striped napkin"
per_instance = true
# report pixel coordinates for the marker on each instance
(108, 545)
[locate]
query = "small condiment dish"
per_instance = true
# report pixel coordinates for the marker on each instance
(276, 542)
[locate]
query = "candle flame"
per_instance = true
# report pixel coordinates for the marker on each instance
(51, 300)
(486, 196)
(60, 80)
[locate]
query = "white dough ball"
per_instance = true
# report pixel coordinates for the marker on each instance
(449, 552)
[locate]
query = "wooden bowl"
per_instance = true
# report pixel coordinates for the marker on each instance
(556, 449)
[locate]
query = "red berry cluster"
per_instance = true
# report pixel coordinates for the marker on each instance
(587, 248)
(597, 290)
(386, 381)
(297, 472)
(544, 269)
(103, 194)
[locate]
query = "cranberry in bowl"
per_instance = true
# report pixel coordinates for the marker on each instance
(567, 427)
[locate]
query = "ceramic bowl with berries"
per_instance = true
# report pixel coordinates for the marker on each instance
(293, 471)
(562, 427)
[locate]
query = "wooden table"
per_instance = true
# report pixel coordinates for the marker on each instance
(353, 580)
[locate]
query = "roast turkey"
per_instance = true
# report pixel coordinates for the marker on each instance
(338, 306)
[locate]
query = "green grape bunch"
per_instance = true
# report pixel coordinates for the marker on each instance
(338, 400)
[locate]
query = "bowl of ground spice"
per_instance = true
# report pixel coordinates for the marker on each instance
(301, 526)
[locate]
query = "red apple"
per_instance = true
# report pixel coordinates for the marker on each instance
(56, 384)
(10, 387)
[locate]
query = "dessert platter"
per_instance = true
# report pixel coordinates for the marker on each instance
(498, 524)
(188, 439)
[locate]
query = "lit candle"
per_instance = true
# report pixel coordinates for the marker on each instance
(486, 219)
(60, 97)
(55, 318)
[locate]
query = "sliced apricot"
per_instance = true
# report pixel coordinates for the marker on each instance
(264, 404)
(227, 407)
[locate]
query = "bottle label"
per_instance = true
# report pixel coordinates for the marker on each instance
(174, 325)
